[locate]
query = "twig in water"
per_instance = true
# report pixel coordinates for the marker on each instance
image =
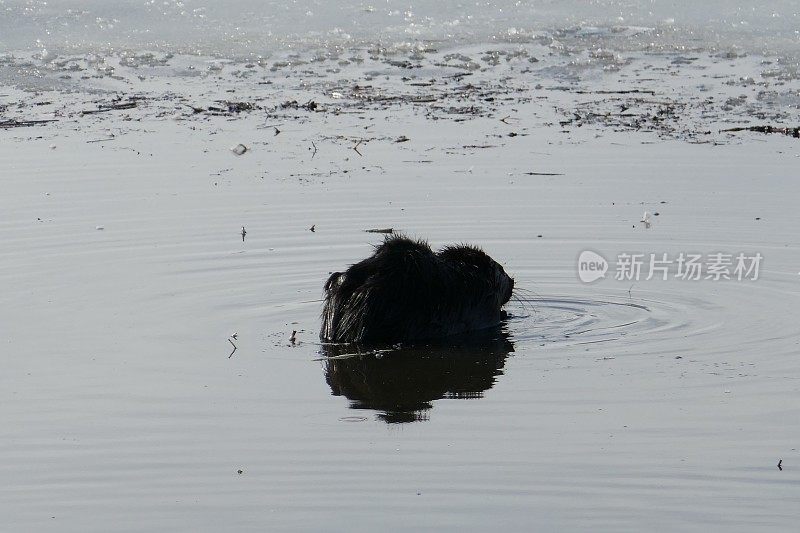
(382, 230)
(780, 461)
(543, 173)
(244, 232)
(293, 338)
(195, 110)
(792, 132)
(624, 91)
(112, 107)
(355, 148)
(14, 123)
(234, 348)
(315, 150)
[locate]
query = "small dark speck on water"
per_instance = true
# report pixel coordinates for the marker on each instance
(293, 338)
(244, 232)
(240, 471)
(780, 462)
(758, 218)
(312, 228)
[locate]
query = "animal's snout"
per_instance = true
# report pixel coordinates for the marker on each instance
(510, 288)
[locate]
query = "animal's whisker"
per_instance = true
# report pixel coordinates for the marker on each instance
(528, 293)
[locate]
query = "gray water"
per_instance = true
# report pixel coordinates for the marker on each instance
(619, 405)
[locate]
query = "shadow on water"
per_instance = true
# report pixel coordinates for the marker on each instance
(400, 383)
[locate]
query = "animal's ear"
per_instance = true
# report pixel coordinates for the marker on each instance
(333, 281)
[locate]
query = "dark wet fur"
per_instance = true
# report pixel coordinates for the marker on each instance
(405, 292)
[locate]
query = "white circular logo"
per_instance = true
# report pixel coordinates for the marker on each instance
(591, 266)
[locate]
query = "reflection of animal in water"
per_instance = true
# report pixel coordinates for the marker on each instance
(401, 383)
(406, 292)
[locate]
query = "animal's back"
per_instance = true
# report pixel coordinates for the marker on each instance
(406, 292)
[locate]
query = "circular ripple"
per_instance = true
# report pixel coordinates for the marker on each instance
(569, 320)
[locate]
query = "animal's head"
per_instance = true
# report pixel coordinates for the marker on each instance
(486, 269)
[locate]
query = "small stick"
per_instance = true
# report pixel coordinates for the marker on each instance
(315, 150)
(626, 91)
(234, 348)
(194, 109)
(112, 107)
(13, 123)
(543, 173)
(780, 461)
(792, 132)
(356, 147)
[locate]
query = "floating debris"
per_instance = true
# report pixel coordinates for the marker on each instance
(311, 105)
(791, 132)
(543, 173)
(14, 123)
(239, 149)
(238, 107)
(383, 230)
(103, 108)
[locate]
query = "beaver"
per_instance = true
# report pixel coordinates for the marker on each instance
(406, 292)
